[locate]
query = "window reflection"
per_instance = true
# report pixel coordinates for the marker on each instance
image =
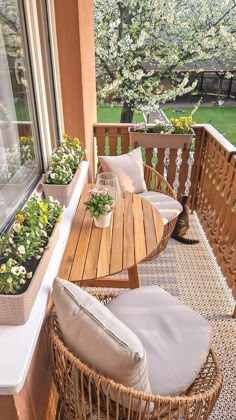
(18, 152)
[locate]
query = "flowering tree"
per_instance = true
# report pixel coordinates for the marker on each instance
(10, 27)
(136, 37)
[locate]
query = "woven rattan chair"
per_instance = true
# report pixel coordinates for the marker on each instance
(156, 182)
(85, 394)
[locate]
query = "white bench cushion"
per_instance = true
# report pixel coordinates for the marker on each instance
(168, 207)
(98, 338)
(176, 338)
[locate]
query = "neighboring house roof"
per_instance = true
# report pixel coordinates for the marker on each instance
(206, 66)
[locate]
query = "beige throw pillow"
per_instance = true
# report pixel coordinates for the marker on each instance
(128, 168)
(98, 338)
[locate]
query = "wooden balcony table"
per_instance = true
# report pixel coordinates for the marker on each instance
(92, 253)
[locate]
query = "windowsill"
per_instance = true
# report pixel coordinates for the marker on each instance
(17, 343)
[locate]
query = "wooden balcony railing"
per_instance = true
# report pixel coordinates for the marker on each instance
(207, 172)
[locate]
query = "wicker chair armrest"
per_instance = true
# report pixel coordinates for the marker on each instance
(156, 182)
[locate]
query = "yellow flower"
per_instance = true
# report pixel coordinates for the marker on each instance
(20, 218)
(59, 219)
(76, 141)
(43, 219)
(43, 207)
(3, 268)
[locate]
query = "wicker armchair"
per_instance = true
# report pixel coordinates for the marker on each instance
(156, 182)
(85, 394)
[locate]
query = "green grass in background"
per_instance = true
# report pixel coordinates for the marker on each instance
(111, 114)
(222, 118)
(22, 112)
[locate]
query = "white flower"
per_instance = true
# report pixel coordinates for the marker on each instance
(9, 280)
(21, 249)
(23, 270)
(52, 175)
(22, 281)
(11, 261)
(29, 275)
(16, 271)
(17, 227)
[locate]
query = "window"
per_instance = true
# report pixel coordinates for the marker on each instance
(28, 109)
(20, 162)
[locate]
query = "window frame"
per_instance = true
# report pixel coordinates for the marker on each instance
(40, 77)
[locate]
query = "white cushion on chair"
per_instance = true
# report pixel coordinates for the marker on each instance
(128, 168)
(168, 207)
(176, 338)
(98, 338)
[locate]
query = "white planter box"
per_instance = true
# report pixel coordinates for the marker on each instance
(16, 309)
(62, 193)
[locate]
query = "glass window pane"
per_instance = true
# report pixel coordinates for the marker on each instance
(19, 157)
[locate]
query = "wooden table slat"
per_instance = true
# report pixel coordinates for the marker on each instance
(128, 242)
(139, 232)
(78, 264)
(103, 268)
(159, 227)
(149, 227)
(90, 268)
(70, 249)
(117, 238)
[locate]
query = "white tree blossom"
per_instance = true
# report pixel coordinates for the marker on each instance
(140, 42)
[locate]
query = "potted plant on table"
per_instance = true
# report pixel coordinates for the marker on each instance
(63, 173)
(100, 206)
(24, 255)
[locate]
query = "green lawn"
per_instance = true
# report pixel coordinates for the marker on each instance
(111, 114)
(222, 118)
(22, 112)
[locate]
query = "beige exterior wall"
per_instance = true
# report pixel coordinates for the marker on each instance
(76, 52)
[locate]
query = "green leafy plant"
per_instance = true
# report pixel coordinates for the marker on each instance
(99, 203)
(65, 161)
(181, 125)
(26, 150)
(25, 243)
(12, 276)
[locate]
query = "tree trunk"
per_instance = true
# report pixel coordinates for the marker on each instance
(221, 79)
(126, 114)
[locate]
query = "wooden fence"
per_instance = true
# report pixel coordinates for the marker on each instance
(207, 172)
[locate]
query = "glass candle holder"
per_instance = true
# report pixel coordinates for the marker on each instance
(109, 182)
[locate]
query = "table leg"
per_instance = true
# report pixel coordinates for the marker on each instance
(133, 277)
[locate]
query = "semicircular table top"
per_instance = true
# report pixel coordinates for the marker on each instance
(92, 253)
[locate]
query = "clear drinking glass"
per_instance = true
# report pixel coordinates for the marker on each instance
(110, 182)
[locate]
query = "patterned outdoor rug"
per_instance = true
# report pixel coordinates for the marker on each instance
(190, 272)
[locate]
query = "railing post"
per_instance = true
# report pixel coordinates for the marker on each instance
(198, 159)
